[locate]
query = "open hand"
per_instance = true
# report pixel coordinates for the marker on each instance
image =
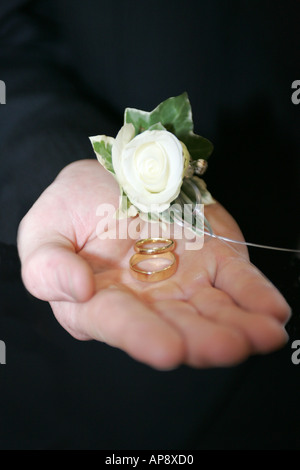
(216, 310)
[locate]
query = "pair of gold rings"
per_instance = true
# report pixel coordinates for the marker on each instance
(151, 249)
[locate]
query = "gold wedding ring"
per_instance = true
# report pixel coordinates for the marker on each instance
(156, 275)
(162, 245)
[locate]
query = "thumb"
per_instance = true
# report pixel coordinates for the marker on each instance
(53, 271)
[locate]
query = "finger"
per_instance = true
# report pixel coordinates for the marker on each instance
(250, 289)
(207, 343)
(117, 317)
(53, 271)
(264, 333)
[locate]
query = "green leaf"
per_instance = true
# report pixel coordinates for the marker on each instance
(140, 119)
(174, 115)
(157, 127)
(198, 146)
(102, 146)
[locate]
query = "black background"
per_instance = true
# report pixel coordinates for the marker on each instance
(70, 69)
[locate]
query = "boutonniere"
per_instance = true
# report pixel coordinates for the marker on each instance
(157, 160)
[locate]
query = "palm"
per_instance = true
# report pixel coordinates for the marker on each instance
(216, 310)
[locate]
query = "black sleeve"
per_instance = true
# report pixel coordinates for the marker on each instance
(48, 114)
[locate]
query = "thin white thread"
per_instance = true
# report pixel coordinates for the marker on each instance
(184, 198)
(256, 245)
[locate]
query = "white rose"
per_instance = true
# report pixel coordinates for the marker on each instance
(149, 167)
